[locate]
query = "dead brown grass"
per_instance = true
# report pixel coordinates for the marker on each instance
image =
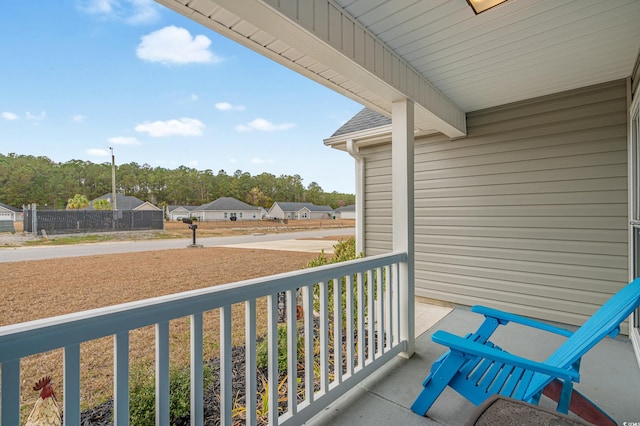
(40, 289)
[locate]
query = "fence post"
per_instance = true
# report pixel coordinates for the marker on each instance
(34, 220)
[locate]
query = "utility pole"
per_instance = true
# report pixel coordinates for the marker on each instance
(113, 179)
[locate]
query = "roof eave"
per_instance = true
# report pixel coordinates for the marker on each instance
(369, 137)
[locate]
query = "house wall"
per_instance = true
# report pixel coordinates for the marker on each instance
(179, 213)
(347, 215)
(528, 213)
(9, 215)
(319, 215)
(276, 211)
(205, 215)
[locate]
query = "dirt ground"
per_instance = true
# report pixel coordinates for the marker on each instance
(40, 289)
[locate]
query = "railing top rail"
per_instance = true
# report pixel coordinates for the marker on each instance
(24, 339)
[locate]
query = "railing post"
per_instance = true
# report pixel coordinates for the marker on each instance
(402, 181)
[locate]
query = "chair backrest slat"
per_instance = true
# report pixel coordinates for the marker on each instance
(601, 324)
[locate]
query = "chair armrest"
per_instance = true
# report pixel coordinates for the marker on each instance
(506, 317)
(466, 346)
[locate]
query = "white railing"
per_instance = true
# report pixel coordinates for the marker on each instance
(370, 319)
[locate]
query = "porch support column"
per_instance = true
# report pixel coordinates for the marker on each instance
(360, 188)
(402, 166)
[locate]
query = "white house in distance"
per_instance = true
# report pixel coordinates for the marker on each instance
(300, 211)
(225, 208)
(180, 212)
(346, 212)
(9, 213)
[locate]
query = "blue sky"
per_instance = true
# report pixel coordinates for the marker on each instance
(80, 76)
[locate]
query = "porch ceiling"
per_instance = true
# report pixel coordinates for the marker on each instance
(438, 52)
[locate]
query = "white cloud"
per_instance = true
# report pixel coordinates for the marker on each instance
(95, 152)
(233, 160)
(9, 116)
(122, 140)
(173, 45)
(129, 11)
(194, 97)
(181, 127)
(263, 125)
(261, 161)
(78, 118)
(193, 164)
(40, 116)
(226, 106)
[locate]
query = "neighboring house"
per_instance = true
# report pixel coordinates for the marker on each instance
(180, 212)
(225, 208)
(299, 211)
(346, 212)
(8, 212)
(126, 202)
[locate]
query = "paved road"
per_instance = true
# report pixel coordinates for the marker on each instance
(50, 252)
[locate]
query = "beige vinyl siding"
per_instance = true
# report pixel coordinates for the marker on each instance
(377, 200)
(529, 212)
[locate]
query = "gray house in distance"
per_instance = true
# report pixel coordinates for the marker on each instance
(299, 211)
(125, 202)
(225, 208)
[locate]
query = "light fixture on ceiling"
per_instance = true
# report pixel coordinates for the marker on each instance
(480, 6)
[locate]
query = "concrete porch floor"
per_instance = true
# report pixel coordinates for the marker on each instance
(610, 376)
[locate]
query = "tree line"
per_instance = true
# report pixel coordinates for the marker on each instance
(26, 179)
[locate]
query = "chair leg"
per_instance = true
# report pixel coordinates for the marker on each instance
(579, 405)
(437, 381)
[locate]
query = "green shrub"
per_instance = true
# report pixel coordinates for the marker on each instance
(343, 251)
(262, 350)
(142, 400)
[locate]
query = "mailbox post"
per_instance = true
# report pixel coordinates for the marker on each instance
(193, 227)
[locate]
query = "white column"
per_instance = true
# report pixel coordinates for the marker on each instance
(402, 166)
(360, 190)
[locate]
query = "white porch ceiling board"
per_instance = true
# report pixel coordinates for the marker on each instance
(518, 50)
(540, 31)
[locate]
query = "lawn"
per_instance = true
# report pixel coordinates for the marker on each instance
(40, 289)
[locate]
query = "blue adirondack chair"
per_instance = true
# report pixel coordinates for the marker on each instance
(477, 369)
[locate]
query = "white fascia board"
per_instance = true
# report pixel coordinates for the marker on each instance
(281, 20)
(368, 137)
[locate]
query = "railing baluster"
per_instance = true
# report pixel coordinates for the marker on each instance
(250, 362)
(226, 373)
(361, 329)
(121, 378)
(371, 317)
(380, 313)
(324, 338)
(272, 324)
(10, 409)
(292, 354)
(196, 373)
(307, 301)
(337, 330)
(71, 364)
(395, 301)
(349, 321)
(387, 310)
(162, 373)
